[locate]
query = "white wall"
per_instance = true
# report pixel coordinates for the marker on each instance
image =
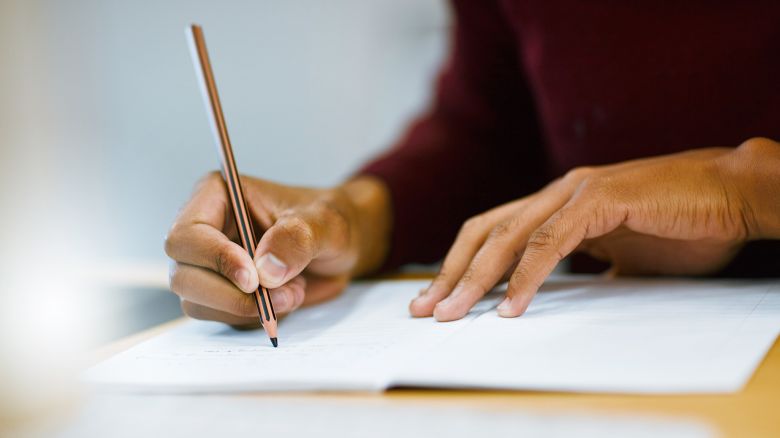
(100, 107)
(103, 133)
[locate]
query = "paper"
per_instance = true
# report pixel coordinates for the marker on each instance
(579, 334)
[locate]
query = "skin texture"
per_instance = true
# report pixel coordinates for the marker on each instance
(313, 241)
(681, 214)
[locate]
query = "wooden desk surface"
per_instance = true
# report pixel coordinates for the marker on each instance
(753, 412)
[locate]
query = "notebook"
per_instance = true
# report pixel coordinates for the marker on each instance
(580, 334)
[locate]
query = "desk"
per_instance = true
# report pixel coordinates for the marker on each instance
(754, 412)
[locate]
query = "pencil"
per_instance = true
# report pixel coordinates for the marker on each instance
(200, 58)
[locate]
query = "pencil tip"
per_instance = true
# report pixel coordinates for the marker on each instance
(275, 342)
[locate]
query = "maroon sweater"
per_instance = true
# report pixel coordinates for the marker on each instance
(534, 88)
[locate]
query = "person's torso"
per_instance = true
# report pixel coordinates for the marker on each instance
(615, 80)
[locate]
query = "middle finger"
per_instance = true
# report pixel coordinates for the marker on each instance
(207, 288)
(502, 250)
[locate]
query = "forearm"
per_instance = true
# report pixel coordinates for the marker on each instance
(754, 167)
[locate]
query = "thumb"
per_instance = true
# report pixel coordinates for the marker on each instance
(295, 240)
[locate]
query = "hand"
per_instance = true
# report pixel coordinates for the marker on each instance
(682, 214)
(313, 241)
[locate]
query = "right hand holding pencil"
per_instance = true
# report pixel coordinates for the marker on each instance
(313, 241)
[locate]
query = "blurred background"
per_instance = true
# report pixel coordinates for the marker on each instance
(103, 134)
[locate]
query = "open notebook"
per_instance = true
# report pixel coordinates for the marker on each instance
(579, 334)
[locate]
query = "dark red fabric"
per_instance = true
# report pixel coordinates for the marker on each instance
(535, 88)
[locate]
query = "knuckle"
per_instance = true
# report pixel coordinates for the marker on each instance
(175, 279)
(472, 225)
(503, 229)
(758, 144)
(472, 281)
(519, 275)
(541, 239)
(469, 276)
(597, 187)
(579, 174)
(545, 240)
(522, 275)
(190, 309)
(590, 182)
(169, 245)
(172, 240)
(221, 261)
(300, 232)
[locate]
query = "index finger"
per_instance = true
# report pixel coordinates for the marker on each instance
(546, 247)
(197, 236)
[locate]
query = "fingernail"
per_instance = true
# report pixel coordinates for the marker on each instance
(280, 300)
(443, 304)
(242, 279)
(441, 312)
(271, 268)
(505, 307)
(420, 296)
(428, 292)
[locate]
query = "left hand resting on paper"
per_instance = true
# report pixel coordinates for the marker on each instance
(681, 214)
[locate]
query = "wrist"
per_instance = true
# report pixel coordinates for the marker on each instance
(369, 201)
(755, 169)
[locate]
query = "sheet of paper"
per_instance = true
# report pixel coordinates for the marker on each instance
(579, 334)
(354, 342)
(632, 336)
